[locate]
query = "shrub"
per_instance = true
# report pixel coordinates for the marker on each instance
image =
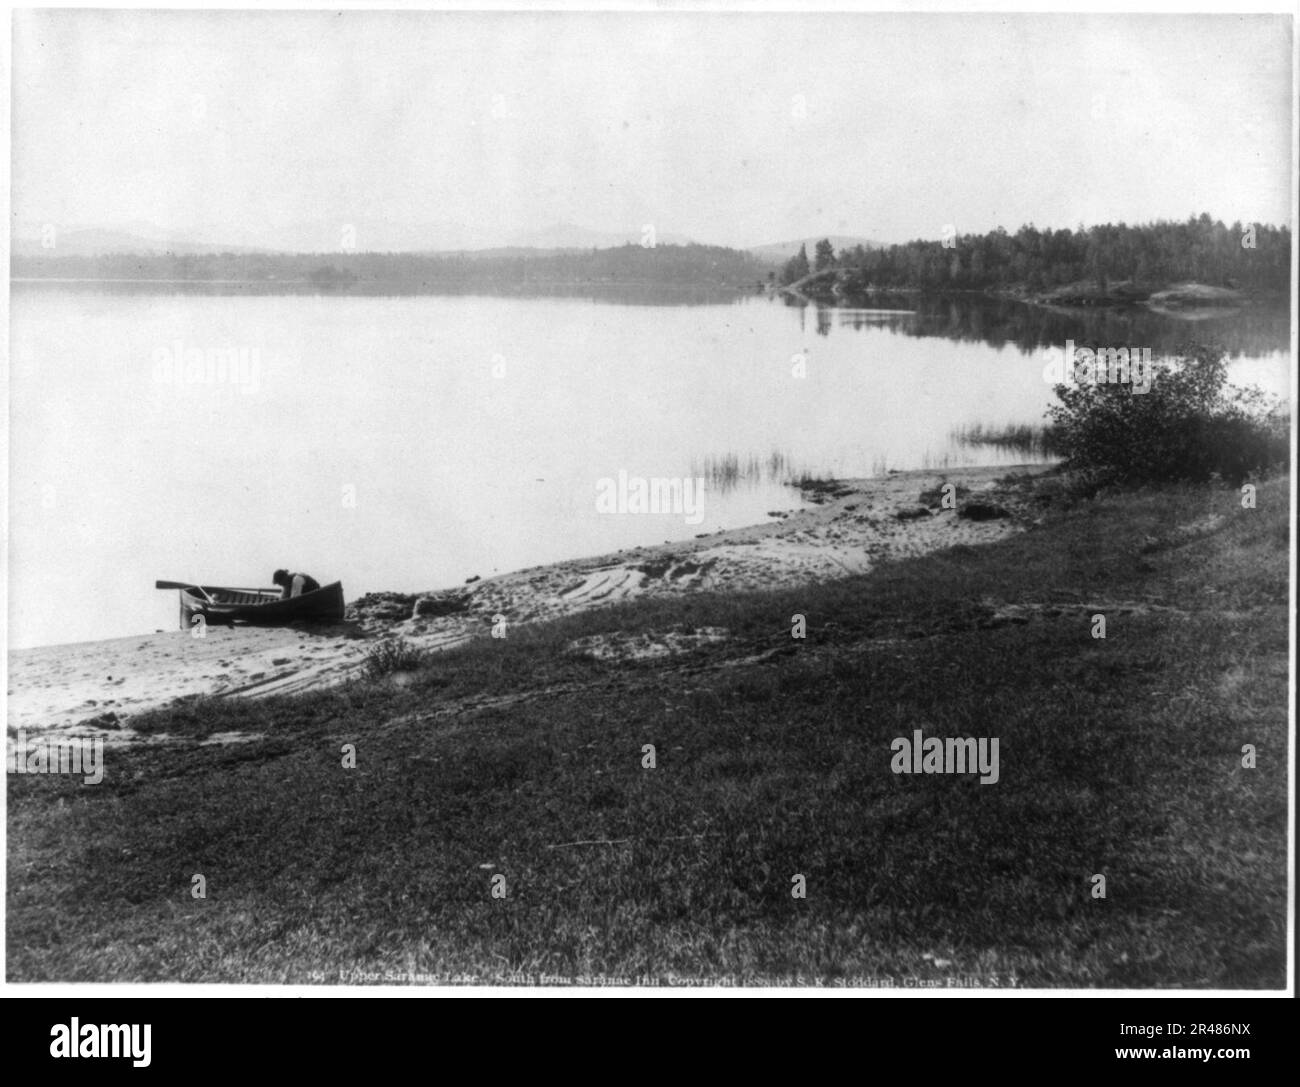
(1190, 426)
(393, 655)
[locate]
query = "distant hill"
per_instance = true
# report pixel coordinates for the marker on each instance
(94, 242)
(614, 266)
(572, 236)
(363, 235)
(780, 252)
(374, 234)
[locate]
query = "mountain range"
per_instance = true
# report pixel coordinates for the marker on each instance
(362, 235)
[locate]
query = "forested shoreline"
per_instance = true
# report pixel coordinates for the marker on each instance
(661, 265)
(1103, 264)
(1107, 262)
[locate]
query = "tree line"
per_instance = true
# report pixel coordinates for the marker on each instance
(1149, 256)
(660, 265)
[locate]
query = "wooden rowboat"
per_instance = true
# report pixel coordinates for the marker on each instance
(260, 607)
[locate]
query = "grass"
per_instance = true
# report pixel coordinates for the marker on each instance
(1026, 439)
(1119, 756)
(727, 471)
(391, 656)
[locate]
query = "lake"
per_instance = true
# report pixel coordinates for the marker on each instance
(409, 441)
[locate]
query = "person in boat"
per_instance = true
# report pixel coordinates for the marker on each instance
(294, 584)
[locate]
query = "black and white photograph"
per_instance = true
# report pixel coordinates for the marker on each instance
(652, 497)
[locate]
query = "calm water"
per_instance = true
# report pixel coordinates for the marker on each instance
(409, 442)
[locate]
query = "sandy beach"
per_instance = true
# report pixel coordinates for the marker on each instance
(95, 687)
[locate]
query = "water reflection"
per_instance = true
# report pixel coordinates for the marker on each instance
(1251, 331)
(627, 294)
(1248, 332)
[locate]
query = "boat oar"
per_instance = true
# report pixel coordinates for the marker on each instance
(184, 585)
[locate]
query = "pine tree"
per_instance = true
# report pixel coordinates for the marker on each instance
(796, 267)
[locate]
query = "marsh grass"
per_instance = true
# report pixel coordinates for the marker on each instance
(728, 471)
(1026, 439)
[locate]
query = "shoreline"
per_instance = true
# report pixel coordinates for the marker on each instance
(1176, 299)
(366, 286)
(93, 688)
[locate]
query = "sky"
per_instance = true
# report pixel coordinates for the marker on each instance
(732, 128)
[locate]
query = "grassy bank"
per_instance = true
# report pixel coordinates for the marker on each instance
(516, 757)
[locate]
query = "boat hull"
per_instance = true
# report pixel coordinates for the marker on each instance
(260, 607)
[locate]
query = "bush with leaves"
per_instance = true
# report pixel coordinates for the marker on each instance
(393, 655)
(1191, 425)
